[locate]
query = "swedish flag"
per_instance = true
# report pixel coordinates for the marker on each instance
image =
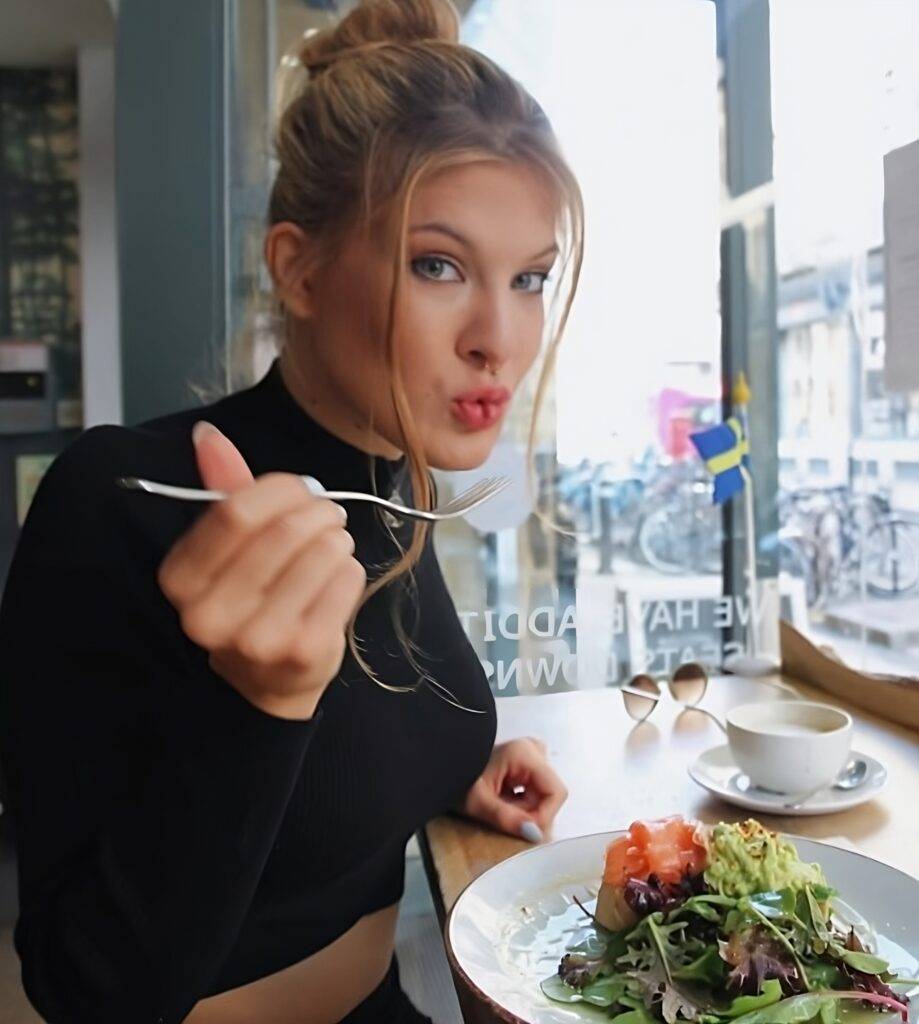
(724, 448)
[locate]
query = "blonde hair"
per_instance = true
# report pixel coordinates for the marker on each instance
(380, 101)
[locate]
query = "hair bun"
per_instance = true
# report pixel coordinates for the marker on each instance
(378, 22)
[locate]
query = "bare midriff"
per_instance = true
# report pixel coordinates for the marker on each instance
(320, 989)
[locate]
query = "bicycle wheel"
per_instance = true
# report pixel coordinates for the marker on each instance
(891, 558)
(663, 542)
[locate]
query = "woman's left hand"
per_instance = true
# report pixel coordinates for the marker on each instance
(492, 800)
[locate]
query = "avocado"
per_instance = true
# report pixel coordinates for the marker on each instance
(747, 858)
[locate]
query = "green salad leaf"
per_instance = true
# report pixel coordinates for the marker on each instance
(710, 906)
(637, 1016)
(825, 975)
(708, 969)
(747, 904)
(865, 962)
(794, 1010)
(757, 939)
(605, 991)
(775, 905)
(771, 993)
(556, 989)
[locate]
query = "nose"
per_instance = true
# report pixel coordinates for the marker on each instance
(487, 340)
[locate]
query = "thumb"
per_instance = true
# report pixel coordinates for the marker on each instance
(220, 463)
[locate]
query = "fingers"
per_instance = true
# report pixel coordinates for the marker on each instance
(538, 743)
(544, 792)
(218, 535)
(312, 600)
(312, 643)
(485, 804)
(309, 541)
(509, 818)
(519, 763)
(553, 793)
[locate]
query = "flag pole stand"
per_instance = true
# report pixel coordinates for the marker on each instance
(750, 662)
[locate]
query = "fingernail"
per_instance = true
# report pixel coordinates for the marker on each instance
(530, 831)
(201, 428)
(313, 485)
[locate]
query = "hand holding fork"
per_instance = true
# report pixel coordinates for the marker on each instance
(265, 580)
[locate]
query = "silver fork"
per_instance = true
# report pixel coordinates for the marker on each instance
(459, 505)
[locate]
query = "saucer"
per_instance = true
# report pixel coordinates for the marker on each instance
(716, 771)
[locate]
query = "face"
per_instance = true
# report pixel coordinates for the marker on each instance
(481, 241)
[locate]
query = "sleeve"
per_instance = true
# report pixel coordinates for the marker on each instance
(146, 793)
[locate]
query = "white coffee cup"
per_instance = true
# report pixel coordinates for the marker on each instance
(789, 746)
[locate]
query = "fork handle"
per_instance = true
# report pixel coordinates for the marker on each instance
(198, 494)
(134, 483)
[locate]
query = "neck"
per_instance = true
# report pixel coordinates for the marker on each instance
(306, 381)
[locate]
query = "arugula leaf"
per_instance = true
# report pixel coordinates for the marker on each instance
(652, 972)
(676, 1002)
(616, 945)
(705, 906)
(659, 940)
(709, 969)
(746, 904)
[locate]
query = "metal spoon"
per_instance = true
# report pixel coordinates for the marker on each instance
(851, 777)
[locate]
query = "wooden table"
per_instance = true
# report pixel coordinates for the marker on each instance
(617, 771)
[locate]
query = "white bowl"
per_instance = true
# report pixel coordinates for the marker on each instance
(510, 926)
(789, 746)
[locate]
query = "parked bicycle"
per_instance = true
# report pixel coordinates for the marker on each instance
(681, 531)
(662, 516)
(833, 539)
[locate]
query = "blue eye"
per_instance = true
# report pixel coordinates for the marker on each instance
(440, 264)
(534, 281)
(432, 259)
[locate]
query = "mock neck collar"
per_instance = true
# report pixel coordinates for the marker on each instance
(336, 463)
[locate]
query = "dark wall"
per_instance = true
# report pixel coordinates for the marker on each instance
(170, 192)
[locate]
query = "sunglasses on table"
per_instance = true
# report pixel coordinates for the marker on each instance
(642, 693)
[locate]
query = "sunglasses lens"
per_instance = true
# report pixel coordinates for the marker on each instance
(640, 697)
(689, 684)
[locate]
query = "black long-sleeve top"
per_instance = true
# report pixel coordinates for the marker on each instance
(173, 840)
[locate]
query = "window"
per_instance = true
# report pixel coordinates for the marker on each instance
(849, 423)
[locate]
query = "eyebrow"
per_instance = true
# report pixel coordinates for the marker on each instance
(445, 229)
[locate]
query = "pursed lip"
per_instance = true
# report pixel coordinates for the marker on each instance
(497, 395)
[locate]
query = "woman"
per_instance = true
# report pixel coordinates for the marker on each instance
(218, 735)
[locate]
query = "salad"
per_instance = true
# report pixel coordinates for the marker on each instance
(721, 924)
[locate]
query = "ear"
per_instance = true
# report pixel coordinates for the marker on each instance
(288, 255)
